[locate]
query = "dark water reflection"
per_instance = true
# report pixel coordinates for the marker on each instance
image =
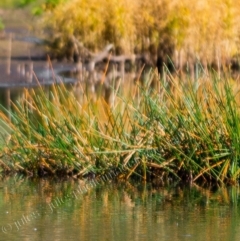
(47, 210)
(16, 94)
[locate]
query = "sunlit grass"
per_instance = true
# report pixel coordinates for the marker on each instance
(183, 129)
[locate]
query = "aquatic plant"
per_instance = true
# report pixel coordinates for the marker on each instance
(181, 129)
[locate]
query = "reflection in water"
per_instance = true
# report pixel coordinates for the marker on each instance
(7, 100)
(9, 96)
(15, 95)
(47, 210)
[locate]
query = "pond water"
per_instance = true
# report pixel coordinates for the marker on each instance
(77, 210)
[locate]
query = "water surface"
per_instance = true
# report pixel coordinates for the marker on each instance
(74, 210)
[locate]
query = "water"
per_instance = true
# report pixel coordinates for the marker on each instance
(49, 210)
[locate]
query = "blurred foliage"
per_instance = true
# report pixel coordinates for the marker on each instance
(1, 25)
(47, 5)
(95, 23)
(8, 3)
(207, 29)
(37, 6)
(23, 3)
(18, 3)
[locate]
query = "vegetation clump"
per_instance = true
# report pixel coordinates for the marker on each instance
(182, 130)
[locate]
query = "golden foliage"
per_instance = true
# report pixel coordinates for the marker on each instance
(205, 29)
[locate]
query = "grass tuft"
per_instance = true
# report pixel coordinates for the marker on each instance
(182, 130)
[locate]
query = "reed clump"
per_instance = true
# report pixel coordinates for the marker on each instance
(180, 129)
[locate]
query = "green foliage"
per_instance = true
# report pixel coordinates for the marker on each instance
(183, 129)
(51, 4)
(23, 3)
(1, 25)
(38, 7)
(18, 3)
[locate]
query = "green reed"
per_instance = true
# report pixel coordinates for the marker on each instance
(182, 129)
